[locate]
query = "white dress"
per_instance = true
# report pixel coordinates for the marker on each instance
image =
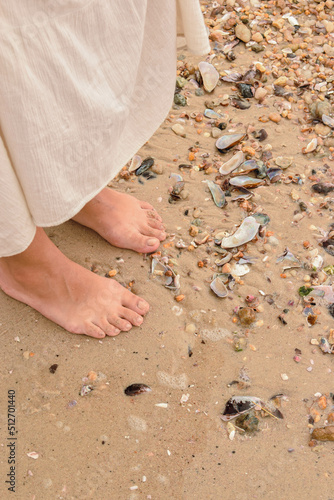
(84, 84)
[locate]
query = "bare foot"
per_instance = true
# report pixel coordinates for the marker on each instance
(123, 221)
(66, 293)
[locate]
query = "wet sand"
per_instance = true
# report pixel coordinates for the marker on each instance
(107, 445)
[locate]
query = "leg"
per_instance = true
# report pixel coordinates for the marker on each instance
(66, 293)
(123, 221)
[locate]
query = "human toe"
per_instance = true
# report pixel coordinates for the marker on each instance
(135, 303)
(119, 323)
(132, 316)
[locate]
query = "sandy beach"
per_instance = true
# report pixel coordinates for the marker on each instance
(79, 436)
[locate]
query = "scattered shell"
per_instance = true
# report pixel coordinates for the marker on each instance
(260, 135)
(33, 454)
(240, 103)
(232, 163)
(85, 389)
(209, 74)
(327, 120)
(145, 165)
(217, 194)
(209, 113)
(246, 182)
(274, 174)
(218, 287)
(135, 163)
(312, 145)
(227, 142)
(135, 389)
(246, 232)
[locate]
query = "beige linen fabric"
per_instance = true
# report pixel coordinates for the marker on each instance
(84, 84)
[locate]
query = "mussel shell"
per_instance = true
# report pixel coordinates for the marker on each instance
(246, 182)
(327, 120)
(256, 166)
(232, 163)
(145, 165)
(135, 389)
(245, 90)
(209, 113)
(262, 219)
(217, 194)
(218, 287)
(244, 194)
(135, 163)
(260, 135)
(245, 233)
(226, 142)
(209, 75)
(274, 174)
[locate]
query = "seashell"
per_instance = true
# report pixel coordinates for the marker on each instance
(240, 269)
(246, 182)
(209, 75)
(317, 262)
(217, 194)
(226, 142)
(145, 165)
(135, 389)
(135, 163)
(284, 161)
(218, 287)
(274, 174)
(177, 189)
(245, 90)
(256, 166)
(244, 194)
(85, 389)
(178, 129)
(209, 113)
(262, 219)
(232, 77)
(260, 135)
(177, 177)
(327, 120)
(311, 146)
(224, 260)
(202, 238)
(181, 244)
(245, 233)
(232, 163)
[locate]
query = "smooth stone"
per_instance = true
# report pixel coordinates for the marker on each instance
(243, 33)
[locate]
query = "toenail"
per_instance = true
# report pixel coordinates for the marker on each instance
(151, 242)
(141, 305)
(128, 326)
(139, 320)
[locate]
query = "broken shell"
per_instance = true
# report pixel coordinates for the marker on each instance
(135, 389)
(246, 232)
(239, 269)
(243, 194)
(311, 146)
(274, 174)
(217, 194)
(260, 135)
(209, 113)
(135, 163)
(145, 165)
(246, 182)
(232, 163)
(224, 260)
(209, 75)
(240, 103)
(327, 120)
(218, 287)
(227, 142)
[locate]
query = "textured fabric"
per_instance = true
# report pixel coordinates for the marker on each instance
(84, 84)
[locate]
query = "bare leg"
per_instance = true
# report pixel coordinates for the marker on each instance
(123, 221)
(66, 293)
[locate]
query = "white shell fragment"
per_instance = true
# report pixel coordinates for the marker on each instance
(209, 74)
(33, 455)
(327, 120)
(311, 146)
(245, 233)
(232, 163)
(135, 163)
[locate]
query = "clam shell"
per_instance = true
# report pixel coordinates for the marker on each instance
(284, 161)
(232, 163)
(135, 389)
(209, 75)
(226, 142)
(217, 194)
(135, 163)
(218, 287)
(246, 182)
(245, 233)
(240, 269)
